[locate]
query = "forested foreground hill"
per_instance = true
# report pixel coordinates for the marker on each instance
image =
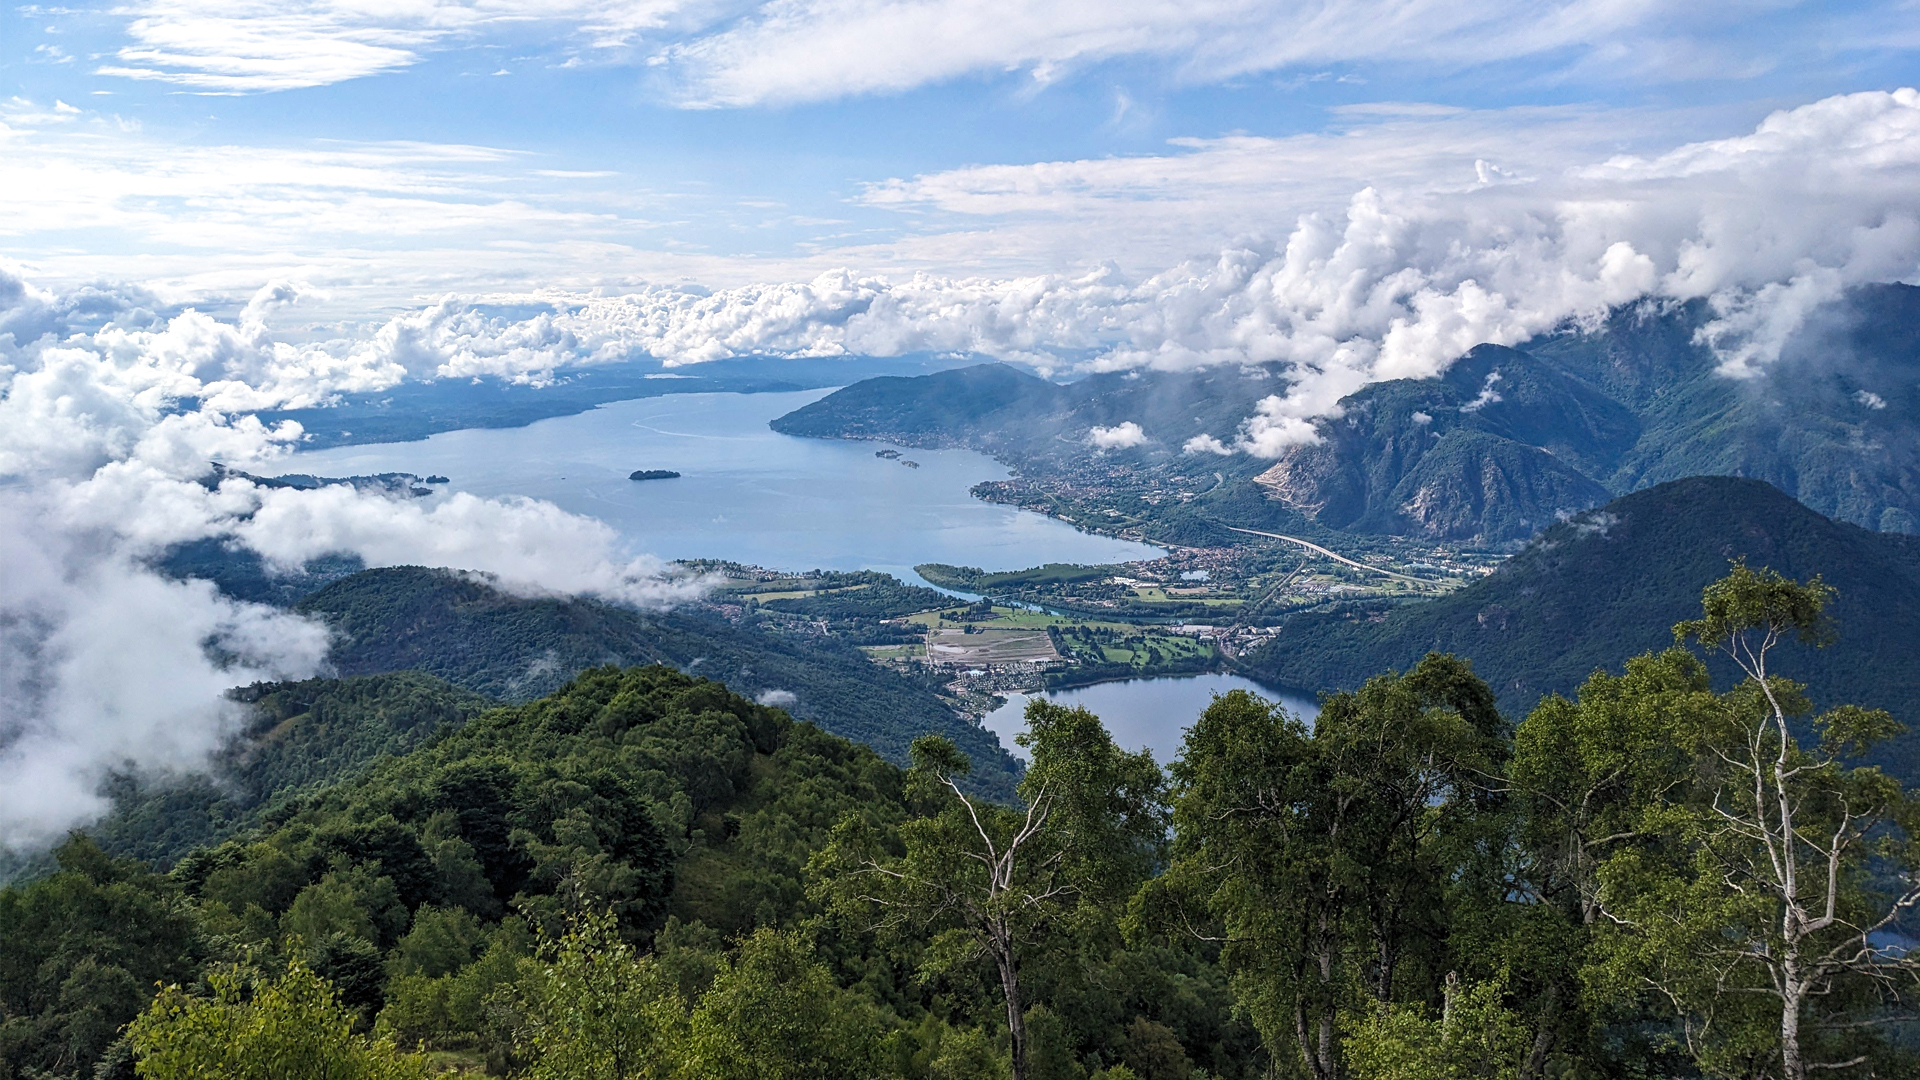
(419, 889)
(1613, 581)
(460, 628)
(644, 876)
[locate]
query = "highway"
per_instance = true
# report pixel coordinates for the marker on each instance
(1336, 557)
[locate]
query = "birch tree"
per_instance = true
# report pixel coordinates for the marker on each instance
(1752, 902)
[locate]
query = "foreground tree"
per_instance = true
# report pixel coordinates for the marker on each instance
(774, 1013)
(1747, 897)
(993, 881)
(258, 1028)
(1322, 859)
(592, 1009)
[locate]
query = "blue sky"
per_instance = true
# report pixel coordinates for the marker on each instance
(382, 152)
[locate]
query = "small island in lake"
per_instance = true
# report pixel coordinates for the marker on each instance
(652, 474)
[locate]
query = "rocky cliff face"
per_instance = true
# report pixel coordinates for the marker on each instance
(1483, 451)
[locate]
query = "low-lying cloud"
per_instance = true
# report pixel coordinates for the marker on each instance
(1120, 436)
(107, 438)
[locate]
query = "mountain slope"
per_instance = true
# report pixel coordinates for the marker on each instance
(296, 735)
(1610, 583)
(459, 628)
(1497, 446)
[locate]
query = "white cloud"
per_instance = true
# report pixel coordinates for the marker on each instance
(808, 50)
(257, 46)
(1487, 396)
(1206, 444)
(1278, 424)
(1121, 436)
(756, 52)
(1870, 399)
(1388, 282)
(779, 699)
(104, 665)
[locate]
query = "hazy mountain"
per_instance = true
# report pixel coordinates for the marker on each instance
(1611, 582)
(1503, 443)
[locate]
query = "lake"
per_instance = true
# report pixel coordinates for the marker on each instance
(745, 493)
(1142, 713)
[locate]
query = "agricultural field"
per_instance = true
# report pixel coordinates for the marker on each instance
(969, 647)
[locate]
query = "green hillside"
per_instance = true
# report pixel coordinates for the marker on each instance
(297, 735)
(459, 628)
(1610, 583)
(421, 886)
(646, 876)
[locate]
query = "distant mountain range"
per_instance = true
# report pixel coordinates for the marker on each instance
(1498, 447)
(1610, 583)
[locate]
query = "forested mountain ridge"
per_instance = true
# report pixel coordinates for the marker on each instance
(1613, 581)
(457, 627)
(1495, 447)
(461, 629)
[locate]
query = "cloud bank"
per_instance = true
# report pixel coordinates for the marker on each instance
(110, 417)
(1388, 284)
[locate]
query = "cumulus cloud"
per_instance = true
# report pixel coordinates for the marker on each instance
(1280, 423)
(1206, 444)
(779, 699)
(1390, 285)
(1118, 437)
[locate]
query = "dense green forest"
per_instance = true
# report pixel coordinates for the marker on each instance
(644, 874)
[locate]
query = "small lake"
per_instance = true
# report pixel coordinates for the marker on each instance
(745, 493)
(1143, 713)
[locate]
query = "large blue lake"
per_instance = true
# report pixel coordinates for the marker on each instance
(749, 494)
(745, 493)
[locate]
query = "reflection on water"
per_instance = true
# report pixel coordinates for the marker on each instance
(745, 492)
(1150, 713)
